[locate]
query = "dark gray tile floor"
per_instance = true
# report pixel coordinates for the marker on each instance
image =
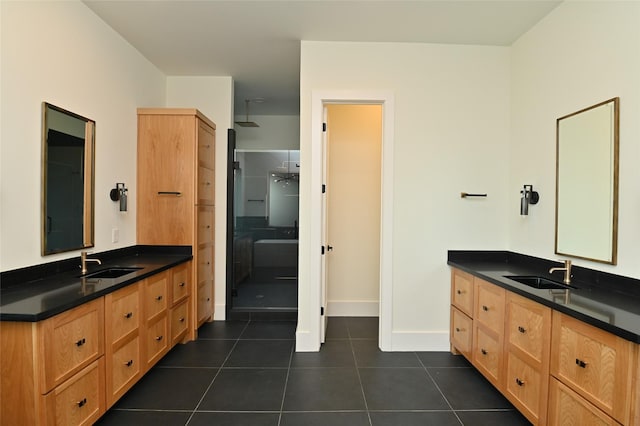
(248, 373)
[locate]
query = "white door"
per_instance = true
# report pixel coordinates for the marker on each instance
(351, 209)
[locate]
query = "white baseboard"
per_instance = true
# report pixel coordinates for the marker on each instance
(420, 341)
(220, 312)
(353, 308)
(305, 342)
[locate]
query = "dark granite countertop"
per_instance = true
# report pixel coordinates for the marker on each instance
(607, 301)
(42, 291)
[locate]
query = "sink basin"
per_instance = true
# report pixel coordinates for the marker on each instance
(111, 273)
(538, 282)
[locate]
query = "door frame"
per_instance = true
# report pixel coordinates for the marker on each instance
(318, 100)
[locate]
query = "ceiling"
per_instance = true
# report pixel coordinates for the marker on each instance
(258, 42)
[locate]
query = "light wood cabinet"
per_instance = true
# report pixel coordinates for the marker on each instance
(596, 365)
(176, 193)
(156, 331)
(488, 330)
(567, 408)
(462, 291)
(52, 371)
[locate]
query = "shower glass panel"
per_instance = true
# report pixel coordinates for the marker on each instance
(265, 245)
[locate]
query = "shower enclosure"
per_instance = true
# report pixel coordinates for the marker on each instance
(265, 231)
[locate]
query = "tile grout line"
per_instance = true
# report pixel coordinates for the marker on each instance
(355, 361)
(216, 375)
(286, 382)
(438, 387)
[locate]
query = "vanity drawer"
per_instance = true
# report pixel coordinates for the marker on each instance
(462, 291)
(528, 327)
(155, 295)
(180, 282)
(205, 301)
(526, 387)
(206, 145)
(70, 342)
(158, 338)
(206, 189)
(78, 401)
(179, 322)
(567, 408)
(125, 369)
(461, 332)
(489, 305)
(488, 354)
(595, 364)
(205, 225)
(205, 264)
(124, 312)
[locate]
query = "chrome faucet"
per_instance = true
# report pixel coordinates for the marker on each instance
(84, 260)
(566, 269)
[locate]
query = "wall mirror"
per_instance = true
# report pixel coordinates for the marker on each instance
(587, 183)
(68, 142)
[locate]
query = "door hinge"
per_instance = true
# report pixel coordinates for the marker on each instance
(324, 188)
(322, 250)
(322, 310)
(324, 127)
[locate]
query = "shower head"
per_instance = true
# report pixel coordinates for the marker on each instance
(247, 123)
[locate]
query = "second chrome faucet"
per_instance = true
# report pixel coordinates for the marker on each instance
(566, 269)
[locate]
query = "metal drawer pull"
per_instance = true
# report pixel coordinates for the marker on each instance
(519, 382)
(458, 329)
(82, 402)
(128, 315)
(159, 338)
(159, 297)
(522, 329)
(129, 363)
(581, 363)
(181, 319)
(181, 284)
(176, 193)
(460, 292)
(484, 352)
(485, 308)
(207, 183)
(81, 342)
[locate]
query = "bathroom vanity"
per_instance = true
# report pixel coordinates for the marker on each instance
(565, 356)
(71, 345)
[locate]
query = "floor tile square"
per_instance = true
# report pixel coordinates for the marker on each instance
(246, 390)
(363, 327)
(222, 329)
(333, 353)
(323, 389)
(400, 389)
(199, 353)
(369, 355)
(169, 389)
(359, 418)
(433, 418)
(234, 419)
(143, 418)
(492, 418)
(337, 328)
(270, 330)
(442, 359)
(467, 389)
(261, 354)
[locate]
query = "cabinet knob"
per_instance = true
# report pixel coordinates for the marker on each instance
(484, 351)
(81, 342)
(129, 363)
(458, 329)
(181, 284)
(522, 329)
(460, 292)
(159, 297)
(181, 319)
(519, 382)
(485, 308)
(128, 315)
(580, 363)
(158, 338)
(82, 402)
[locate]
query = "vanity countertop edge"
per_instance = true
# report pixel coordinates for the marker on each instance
(603, 300)
(44, 294)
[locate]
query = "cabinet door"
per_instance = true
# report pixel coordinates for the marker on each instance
(206, 145)
(156, 295)
(158, 340)
(123, 313)
(205, 224)
(206, 188)
(124, 370)
(205, 301)
(488, 354)
(462, 291)
(567, 408)
(594, 363)
(179, 322)
(528, 329)
(523, 385)
(489, 305)
(71, 341)
(180, 283)
(461, 332)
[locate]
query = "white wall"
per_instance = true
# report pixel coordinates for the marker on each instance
(62, 53)
(451, 135)
(275, 132)
(213, 96)
(582, 53)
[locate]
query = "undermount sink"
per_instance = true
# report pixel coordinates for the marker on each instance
(111, 273)
(538, 282)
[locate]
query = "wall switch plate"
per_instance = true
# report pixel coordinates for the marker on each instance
(115, 235)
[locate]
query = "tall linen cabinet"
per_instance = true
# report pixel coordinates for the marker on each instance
(175, 200)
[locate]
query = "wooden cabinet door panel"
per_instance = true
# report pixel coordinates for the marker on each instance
(522, 385)
(462, 291)
(125, 370)
(206, 189)
(529, 327)
(567, 408)
(489, 305)
(124, 316)
(180, 283)
(205, 263)
(488, 354)
(179, 322)
(158, 340)
(205, 225)
(205, 301)
(461, 332)
(206, 145)
(156, 295)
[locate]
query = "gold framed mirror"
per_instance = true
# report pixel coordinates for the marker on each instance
(68, 143)
(587, 146)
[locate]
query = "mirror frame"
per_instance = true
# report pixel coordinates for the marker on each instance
(614, 133)
(88, 181)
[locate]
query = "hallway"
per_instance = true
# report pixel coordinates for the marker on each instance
(247, 373)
